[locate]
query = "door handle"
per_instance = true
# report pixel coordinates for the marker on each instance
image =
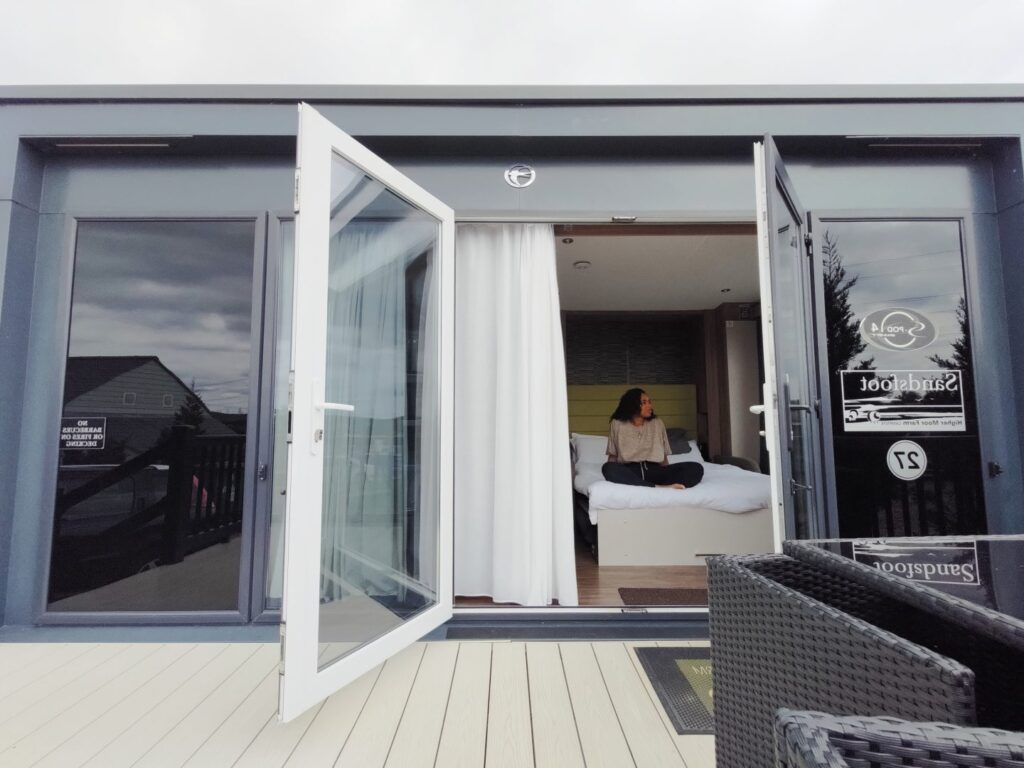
(320, 409)
(757, 410)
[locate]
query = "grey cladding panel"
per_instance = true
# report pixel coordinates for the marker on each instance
(174, 185)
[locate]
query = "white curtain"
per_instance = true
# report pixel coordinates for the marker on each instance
(513, 487)
(373, 282)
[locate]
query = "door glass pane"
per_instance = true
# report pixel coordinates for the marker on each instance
(281, 411)
(791, 308)
(380, 499)
(150, 485)
(901, 371)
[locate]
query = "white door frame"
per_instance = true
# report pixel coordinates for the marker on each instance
(302, 682)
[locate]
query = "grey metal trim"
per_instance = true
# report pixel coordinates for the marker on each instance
(60, 353)
(151, 618)
(253, 419)
(241, 614)
(778, 182)
(122, 633)
(711, 217)
(260, 609)
(831, 514)
(516, 93)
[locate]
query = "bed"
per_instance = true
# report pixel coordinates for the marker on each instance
(727, 513)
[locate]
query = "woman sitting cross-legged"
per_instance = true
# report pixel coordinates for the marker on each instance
(638, 448)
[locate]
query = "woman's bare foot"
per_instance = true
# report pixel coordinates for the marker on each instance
(677, 486)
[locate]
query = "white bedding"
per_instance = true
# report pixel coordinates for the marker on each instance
(724, 488)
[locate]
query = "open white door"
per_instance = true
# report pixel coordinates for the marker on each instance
(792, 404)
(368, 541)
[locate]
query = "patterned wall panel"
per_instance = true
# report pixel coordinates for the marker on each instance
(629, 347)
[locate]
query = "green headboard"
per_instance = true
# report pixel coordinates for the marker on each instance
(590, 405)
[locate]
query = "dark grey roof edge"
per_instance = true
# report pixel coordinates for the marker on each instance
(512, 93)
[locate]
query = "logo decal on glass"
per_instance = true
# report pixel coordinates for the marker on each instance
(520, 175)
(899, 330)
(903, 401)
(933, 562)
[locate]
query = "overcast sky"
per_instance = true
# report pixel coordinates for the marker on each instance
(660, 42)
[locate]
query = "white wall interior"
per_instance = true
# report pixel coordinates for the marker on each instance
(744, 387)
(670, 272)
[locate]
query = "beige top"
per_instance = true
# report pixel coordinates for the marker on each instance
(628, 442)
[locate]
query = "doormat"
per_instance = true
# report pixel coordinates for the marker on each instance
(651, 596)
(682, 679)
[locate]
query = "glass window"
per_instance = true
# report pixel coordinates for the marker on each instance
(902, 379)
(150, 498)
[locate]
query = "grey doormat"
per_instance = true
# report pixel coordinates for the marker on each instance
(660, 596)
(682, 679)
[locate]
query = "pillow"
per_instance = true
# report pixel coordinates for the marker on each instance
(677, 440)
(693, 455)
(590, 449)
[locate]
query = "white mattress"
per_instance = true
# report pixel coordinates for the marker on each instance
(724, 488)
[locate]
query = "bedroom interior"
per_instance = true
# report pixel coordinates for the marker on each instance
(673, 310)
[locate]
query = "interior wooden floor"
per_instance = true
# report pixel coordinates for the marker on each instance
(599, 586)
(441, 705)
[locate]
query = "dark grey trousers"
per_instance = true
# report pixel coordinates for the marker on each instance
(689, 473)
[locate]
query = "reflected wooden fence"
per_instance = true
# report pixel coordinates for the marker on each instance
(204, 494)
(203, 503)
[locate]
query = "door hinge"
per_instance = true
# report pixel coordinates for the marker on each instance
(808, 244)
(261, 471)
(295, 202)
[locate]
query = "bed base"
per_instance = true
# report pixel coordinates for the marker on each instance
(680, 535)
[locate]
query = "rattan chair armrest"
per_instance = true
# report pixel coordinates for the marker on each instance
(819, 740)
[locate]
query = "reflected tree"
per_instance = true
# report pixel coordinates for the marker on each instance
(961, 357)
(842, 330)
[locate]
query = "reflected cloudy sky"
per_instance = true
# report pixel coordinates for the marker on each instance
(177, 290)
(910, 264)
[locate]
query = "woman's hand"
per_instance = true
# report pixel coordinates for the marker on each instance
(664, 463)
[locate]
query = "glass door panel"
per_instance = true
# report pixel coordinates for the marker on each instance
(368, 544)
(791, 404)
(901, 371)
(152, 481)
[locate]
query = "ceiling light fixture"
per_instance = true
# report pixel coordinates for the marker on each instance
(726, 290)
(581, 265)
(568, 240)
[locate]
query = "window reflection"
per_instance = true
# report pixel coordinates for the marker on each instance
(151, 477)
(873, 269)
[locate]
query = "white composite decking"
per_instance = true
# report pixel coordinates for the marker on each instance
(443, 704)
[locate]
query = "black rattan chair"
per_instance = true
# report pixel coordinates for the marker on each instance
(817, 740)
(805, 634)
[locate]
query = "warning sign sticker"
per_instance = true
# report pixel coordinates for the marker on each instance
(83, 434)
